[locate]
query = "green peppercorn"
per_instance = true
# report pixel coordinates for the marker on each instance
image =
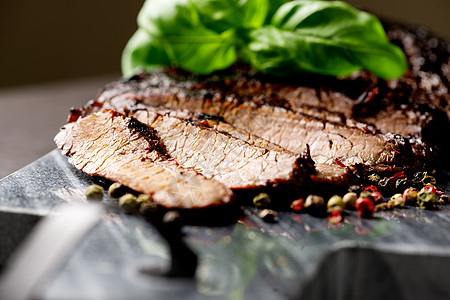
(366, 194)
(148, 208)
(129, 203)
(349, 200)
(444, 199)
(172, 220)
(143, 198)
(397, 200)
(335, 202)
(374, 178)
(315, 204)
(268, 215)
(94, 192)
(116, 190)
(261, 200)
(410, 195)
(425, 198)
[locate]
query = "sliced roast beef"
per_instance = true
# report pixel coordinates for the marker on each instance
(329, 142)
(213, 149)
(124, 150)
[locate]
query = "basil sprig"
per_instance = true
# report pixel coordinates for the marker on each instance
(202, 36)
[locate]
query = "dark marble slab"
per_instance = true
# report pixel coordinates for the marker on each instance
(400, 254)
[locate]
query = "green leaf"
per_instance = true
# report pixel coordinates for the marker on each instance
(176, 27)
(202, 36)
(282, 52)
(143, 53)
(330, 38)
(221, 15)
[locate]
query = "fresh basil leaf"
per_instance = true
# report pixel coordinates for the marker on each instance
(143, 53)
(188, 43)
(283, 52)
(221, 15)
(274, 5)
(330, 38)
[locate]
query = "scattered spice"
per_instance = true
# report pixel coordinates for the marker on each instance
(377, 197)
(371, 188)
(374, 178)
(315, 203)
(355, 189)
(410, 195)
(349, 200)
(268, 215)
(148, 208)
(143, 198)
(397, 200)
(261, 200)
(425, 198)
(297, 205)
(335, 203)
(173, 220)
(129, 203)
(444, 198)
(365, 207)
(430, 188)
(366, 194)
(116, 190)
(94, 192)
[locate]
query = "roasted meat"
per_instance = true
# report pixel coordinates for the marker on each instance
(217, 150)
(124, 150)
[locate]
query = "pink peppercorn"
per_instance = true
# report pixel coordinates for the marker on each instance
(429, 188)
(297, 205)
(371, 188)
(377, 197)
(365, 207)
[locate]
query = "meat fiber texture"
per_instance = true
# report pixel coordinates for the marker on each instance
(218, 150)
(109, 145)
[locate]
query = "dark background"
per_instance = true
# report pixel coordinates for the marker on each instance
(52, 40)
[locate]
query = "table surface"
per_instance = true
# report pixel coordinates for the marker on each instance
(30, 116)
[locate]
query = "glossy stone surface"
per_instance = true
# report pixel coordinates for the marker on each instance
(400, 254)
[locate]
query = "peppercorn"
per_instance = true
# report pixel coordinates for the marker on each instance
(425, 198)
(374, 178)
(148, 208)
(173, 220)
(365, 207)
(377, 197)
(94, 192)
(355, 189)
(370, 188)
(268, 215)
(410, 195)
(143, 198)
(444, 198)
(382, 206)
(116, 190)
(261, 200)
(349, 200)
(315, 203)
(430, 188)
(334, 203)
(366, 194)
(297, 205)
(397, 200)
(129, 203)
